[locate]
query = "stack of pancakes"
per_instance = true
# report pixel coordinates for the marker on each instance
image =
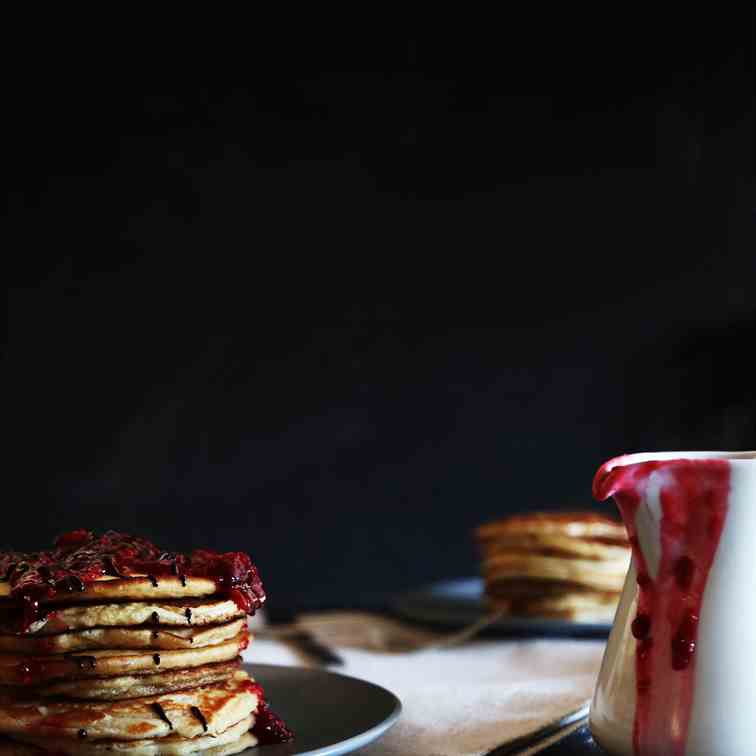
(127, 662)
(564, 565)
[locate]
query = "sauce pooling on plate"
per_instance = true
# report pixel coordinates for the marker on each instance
(80, 558)
(693, 500)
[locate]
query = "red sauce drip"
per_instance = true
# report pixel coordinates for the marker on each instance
(684, 571)
(684, 642)
(254, 688)
(269, 728)
(233, 573)
(73, 539)
(79, 558)
(693, 496)
(641, 626)
(643, 580)
(29, 671)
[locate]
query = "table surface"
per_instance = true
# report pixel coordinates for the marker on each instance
(467, 700)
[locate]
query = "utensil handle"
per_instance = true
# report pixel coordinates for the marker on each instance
(532, 739)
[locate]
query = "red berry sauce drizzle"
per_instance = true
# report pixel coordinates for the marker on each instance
(693, 497)
(79, 558)
(268, 728)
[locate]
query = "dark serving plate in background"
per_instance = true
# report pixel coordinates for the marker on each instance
(458, 603)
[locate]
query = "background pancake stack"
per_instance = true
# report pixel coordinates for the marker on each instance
(107, 644)
(563, 565)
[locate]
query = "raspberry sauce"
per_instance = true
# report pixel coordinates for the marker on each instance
(269, 728)
(693, 500)
(79, 558)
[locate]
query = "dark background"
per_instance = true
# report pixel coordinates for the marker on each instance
(337, 302)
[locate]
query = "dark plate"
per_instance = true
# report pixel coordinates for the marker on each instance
(330, 714)
(459, 602)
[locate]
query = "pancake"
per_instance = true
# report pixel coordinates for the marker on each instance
(556, 544)
(156, 637)
(22, 670)
(566, 565)
(176, 613)
(135, 588)
(208, 710)
(586, 606)
(602, 576)
(523, 588)
(134, 686)
(83, 567)
(232, 740)
(15, 748)
(110, 644)
(583, 525)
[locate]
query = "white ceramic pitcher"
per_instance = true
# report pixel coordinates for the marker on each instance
(679, 670)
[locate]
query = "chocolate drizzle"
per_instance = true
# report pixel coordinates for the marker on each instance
(156, 659)
(153, 580)
(155, 619)
(82, 733)
(71, 583)
(188, 615)
(199, 715)
(83, 661)
(160, 711)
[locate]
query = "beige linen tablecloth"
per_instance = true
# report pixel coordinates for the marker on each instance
(469, 699)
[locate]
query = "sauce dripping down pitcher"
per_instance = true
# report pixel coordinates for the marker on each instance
(679, 671)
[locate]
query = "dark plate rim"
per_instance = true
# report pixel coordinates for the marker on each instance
(427, 604)
(343, 746)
